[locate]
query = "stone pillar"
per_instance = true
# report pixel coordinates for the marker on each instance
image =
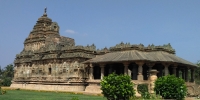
(140, 69)
(174, 70)
(102, 70)
(166, 69)
(126, 68)
(91, 72)
(186, 74)
(192, 75)
(153, 78)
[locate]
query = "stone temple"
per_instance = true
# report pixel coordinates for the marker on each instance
(49, 61)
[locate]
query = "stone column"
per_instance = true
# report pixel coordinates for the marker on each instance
(192, 75)
(126, 68)
(102, 70)
(140, 69)
(174, 70)
(91, 72)
(186, 74)
(166, 69)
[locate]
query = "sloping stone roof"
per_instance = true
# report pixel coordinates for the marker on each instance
(136, 55)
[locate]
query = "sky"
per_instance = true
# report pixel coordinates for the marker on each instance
(105, 23)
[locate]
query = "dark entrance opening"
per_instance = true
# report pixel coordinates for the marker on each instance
(159, 67)
(134, 70)
(49, 71)
(118, 68)
(97, 72)
(145, 72)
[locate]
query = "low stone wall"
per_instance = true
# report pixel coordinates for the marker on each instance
(49, 87)
(92, 87)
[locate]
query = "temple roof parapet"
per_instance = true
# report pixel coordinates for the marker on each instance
(80, 47)
(77, 54)
(127, 46)
(102, 51)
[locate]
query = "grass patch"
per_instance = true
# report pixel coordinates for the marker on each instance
(43, 95)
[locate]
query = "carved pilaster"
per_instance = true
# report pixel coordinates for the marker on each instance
(91, 72)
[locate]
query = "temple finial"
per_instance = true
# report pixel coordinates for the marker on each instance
(45, 10)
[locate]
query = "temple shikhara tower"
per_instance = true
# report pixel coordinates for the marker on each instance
(49, 61)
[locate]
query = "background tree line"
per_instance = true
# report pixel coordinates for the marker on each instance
(197, 74)
(6, 75)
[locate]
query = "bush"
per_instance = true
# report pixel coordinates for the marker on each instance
(117, 87)
(6, 81)
(143, 90)
(2, 91)
(170, 87)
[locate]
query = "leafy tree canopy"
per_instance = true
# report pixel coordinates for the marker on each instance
(6, 75)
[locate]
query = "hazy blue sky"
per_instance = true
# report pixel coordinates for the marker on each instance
(105, 23)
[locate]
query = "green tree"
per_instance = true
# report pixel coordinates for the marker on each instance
(6, 75)
(9, 71)
(197, 73)
(0, 72)
(117, 87)
(171, 87)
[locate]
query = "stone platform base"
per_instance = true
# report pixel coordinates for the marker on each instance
(93, 89)
(49, 87)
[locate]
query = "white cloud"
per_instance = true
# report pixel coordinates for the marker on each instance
(70, 31)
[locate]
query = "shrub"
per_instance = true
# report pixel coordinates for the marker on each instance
(2, 91)
(170, 87)
(6, 81)
(143, 90)
(117, 87)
